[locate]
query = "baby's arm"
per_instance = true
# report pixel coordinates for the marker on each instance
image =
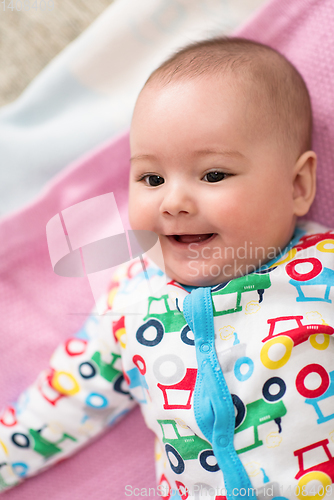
(74, 400)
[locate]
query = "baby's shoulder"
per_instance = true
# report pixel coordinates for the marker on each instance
(134, 281)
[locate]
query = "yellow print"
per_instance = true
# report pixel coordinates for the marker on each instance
(226, 332)
(252, 307)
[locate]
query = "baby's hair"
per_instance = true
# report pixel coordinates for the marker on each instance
(274, 82)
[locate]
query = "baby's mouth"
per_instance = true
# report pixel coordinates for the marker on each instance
(192, 238)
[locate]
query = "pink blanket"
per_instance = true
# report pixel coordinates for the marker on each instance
(38, 308)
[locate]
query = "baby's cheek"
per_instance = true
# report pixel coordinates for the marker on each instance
(141, 217)
(137, 219)
(230, 211)
(132, 218)
(135, 207)
(135, 216)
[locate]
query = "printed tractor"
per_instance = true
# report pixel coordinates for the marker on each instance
(300, 333)
(320, 279)
(39, 443)
(181, 448)
(323, 473)
(107, 370)
(186, 386)
(171, 319)
(249, 283)
(260, 412)
(328, 393)
(164, 320)
(314, 239)
(290, 338)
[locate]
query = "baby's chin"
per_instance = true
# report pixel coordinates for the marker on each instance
(199, 281)
(199, 276)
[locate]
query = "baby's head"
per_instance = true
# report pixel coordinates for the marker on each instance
(221, 160)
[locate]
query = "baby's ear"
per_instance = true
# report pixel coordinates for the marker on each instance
(304, 182)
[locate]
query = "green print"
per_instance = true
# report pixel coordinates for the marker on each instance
(3, 483)
(39, 444)
(188, 447)
(248, 283)
(257, 413)
(107, 370)
(45, 447)
(172, 319)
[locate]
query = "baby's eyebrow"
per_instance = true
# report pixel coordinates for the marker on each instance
(201, 152)
(142, 157)
(222, 152)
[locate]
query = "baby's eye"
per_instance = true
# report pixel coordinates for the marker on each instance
(214, 176)
(153, 180)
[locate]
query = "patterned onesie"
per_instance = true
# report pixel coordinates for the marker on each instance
(235, 380)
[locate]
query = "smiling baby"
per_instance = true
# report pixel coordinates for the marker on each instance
(229, 351)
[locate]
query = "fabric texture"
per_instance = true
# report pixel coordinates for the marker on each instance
(38, 308)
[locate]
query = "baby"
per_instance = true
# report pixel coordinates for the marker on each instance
(230, 351)
(224, 129)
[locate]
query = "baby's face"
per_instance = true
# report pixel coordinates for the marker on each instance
(208, 178)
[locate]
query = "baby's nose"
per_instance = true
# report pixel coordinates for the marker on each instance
(178, 201)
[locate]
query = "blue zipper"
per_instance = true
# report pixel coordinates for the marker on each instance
(213, 405)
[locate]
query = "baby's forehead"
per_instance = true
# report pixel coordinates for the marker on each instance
(241, 83)
(210, 115)
(273, 90)
(239, 92)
